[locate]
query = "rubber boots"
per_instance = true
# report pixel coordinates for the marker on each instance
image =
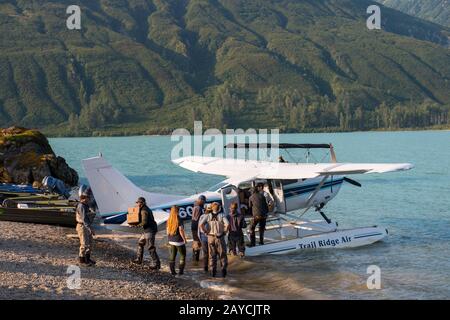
(252, 240)
(172, 268)
(89, 260)
(181, 271)
(84, 261)
(139, 255)
(155, 259)
(196, 255)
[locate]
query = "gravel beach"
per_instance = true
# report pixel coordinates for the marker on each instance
(34, 261)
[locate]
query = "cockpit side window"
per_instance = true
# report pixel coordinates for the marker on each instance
(288, 181)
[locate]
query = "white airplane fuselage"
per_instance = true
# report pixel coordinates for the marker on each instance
(115, 194)
(295, 194)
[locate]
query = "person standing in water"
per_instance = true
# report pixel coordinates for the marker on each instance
(216, 226)
(177, 241)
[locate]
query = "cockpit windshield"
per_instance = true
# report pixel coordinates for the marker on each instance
(218, 186)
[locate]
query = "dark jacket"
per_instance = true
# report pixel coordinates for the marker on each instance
(257, 205)
(197, 212)
(148, 221)
(237, 223)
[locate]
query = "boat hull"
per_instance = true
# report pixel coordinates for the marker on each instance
(51, 217)
(346, 238)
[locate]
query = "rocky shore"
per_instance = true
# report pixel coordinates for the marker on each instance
(34, 261)
(26, 157)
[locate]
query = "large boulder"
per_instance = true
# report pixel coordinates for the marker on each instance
(27, 157)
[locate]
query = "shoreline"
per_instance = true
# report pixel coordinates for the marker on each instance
(240, 282)
(34, 261)
(131, 135)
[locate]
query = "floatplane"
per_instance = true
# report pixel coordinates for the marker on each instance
(294, 187)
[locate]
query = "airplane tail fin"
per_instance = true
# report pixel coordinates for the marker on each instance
(113, 192)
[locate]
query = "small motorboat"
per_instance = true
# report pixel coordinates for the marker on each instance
(61, 216)
(52, 205)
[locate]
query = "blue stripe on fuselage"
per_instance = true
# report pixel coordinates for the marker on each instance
(185, 212)
(295, 191)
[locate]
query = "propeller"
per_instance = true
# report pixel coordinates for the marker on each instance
(353, 182)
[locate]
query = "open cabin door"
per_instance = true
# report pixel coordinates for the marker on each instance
(278, 194)
(229, 194)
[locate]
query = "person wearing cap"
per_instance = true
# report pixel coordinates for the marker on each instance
(216, 225)
(150, 228)
(204, 236)
(196, 214)
(236, 235)
(84, 229)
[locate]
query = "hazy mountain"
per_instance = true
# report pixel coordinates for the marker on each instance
(151, 65)
(437, 11)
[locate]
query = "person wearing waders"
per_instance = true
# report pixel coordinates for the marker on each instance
(84, 229)
(204, 237)
(216, 226)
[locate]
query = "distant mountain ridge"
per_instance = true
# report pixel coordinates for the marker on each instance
(146, 66)
(437, 11)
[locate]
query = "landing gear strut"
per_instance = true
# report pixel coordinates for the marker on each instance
(319, 209)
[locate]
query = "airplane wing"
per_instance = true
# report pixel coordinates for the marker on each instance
(247, 168)
(244, 170)
(363, 168)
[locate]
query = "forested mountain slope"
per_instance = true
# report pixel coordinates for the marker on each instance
(152, 65)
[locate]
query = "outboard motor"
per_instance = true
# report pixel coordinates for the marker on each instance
(56, 185)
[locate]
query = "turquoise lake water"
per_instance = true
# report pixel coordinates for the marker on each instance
(413, 205)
